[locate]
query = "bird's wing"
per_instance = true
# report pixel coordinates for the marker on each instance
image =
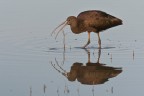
(92, 14)
(98, 19)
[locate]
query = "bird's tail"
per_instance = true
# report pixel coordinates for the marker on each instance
(116, 21)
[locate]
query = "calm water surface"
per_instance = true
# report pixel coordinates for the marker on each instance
(33, 63)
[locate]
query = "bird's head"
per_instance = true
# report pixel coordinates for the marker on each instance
(71, 20)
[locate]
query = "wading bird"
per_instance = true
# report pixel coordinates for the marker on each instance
(89, 73)
(90, 21)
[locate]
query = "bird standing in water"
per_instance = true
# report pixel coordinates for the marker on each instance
(90, 21)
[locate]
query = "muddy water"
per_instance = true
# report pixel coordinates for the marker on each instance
(33, 63)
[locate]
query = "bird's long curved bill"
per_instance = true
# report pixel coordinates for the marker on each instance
(64, 24)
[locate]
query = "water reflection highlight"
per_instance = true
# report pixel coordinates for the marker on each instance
(89, 73)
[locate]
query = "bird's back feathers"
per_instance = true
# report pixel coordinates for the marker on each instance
(98, 20)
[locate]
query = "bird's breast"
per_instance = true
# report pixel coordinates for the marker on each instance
(77, 29)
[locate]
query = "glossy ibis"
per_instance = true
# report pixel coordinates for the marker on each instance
(90, 21)
(89, 73)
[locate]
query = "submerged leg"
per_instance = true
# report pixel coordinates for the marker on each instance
(99, 40)
(87, 41)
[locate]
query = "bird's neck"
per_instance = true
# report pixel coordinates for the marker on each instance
(75, 29)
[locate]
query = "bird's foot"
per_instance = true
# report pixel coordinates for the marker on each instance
(84, 47)
(86, 44)
(99, 47)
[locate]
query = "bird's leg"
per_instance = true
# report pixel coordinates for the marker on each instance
(87, 41)
(99, 40)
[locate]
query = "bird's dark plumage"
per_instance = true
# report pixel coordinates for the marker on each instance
(96, 21)
(91, 21)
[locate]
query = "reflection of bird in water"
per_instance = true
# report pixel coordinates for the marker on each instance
(90, 21)
(91, 73)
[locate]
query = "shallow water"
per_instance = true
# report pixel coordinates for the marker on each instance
(33, 63)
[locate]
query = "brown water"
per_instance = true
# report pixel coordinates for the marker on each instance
(33, 63)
